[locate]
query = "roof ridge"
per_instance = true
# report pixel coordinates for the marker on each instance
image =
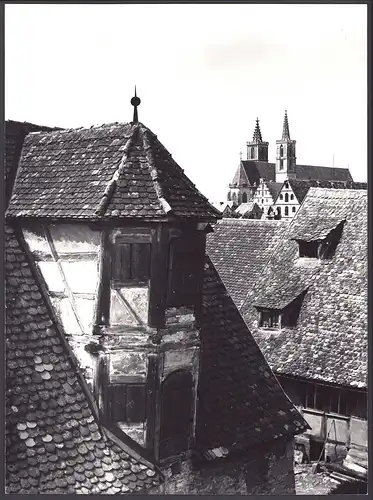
(144, 135)
(110, 187)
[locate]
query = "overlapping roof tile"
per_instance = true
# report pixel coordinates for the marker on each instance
(54, 443)
(329, 341)
(109, 171)
(241, 403)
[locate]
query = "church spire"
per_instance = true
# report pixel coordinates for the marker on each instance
(285, 128)
(257, 136)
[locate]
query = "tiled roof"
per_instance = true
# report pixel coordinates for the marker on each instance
(322, 173)
(15, 133)
(240, 249)
(244, 208)
(256, 170)
(240, 401)
(274, 188)
(240, 177)
(109, 171)
(301, 187)
(329, 342)
(53, 441)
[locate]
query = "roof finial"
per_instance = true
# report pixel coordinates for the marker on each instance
(285, 128)
(135, 101)
(257, 136)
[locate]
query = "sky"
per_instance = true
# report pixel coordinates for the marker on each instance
(204, 73)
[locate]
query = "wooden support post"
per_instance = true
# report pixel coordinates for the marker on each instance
(158, 276)
(152, 386)
(103, 290)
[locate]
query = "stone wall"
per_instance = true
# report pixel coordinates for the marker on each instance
(258, 472)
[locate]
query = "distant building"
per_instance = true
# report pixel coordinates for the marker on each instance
(259, 180)
(304, 297)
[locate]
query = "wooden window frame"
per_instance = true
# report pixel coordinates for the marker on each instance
(111, 391)
(131, 280)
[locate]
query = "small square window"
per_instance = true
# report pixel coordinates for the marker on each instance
(309, 249)
(270, 319)
(131, 263)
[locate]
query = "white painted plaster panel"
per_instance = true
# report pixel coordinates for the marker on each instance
(52, 276)
(180, 359)
(138, 299)
(316, 422)
(82, 277)
(68, 318)
(337, 430)
(128, 363)
(85, 308)
(119, 314)
(359, 432)
(134, 431)
(36, 240)
(74, 238)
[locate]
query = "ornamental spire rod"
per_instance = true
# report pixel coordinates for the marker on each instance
(135, 101)
(257, 136)
(285, 128)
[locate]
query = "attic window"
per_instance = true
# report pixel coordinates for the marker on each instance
(270, 319)
(309, 249)
(131, 263)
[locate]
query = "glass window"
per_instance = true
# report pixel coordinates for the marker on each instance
(281, 196)
(293, 209)
(286, 197)
(286, 210)
(292, 197)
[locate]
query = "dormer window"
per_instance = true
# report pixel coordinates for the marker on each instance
(131, 263)
(270, 319)
(309, 249)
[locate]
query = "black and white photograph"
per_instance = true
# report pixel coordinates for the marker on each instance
(185, 249)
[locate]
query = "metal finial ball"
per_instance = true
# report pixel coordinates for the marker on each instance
(135, 101)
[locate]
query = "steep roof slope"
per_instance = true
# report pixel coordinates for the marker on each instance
(15, 133)
(53, 441)
(256, 170)
(240, 249)
(301, 187)
(274, 188)
(241, 403)
(322, 173)
(329, 342)
(110, 171)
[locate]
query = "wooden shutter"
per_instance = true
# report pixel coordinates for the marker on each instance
(136, 403)
(126, 402)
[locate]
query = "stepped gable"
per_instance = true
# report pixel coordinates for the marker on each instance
(335, 293)
(54, 444)
(241, 403)
(233, 248)
(109, 171)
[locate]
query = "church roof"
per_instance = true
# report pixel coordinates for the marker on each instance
(257, 136)
(274, 188)
(54, 441)
(108, 171)
(305, 172)
(285, 128)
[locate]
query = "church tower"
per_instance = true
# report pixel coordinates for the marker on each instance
(285, 154)
(257, 149)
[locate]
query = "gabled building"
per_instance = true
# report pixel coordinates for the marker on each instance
(293, 191)
(266, 194)
(253, 174)
(249, 211)
(129, 367)
(305, 300)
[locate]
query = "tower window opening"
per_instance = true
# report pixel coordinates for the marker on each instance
(281, 163)
(244, 198)
(252, 152)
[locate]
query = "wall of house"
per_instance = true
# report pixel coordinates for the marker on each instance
(256, 473)
(263, 197)
(67, 256)
(291, 204)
